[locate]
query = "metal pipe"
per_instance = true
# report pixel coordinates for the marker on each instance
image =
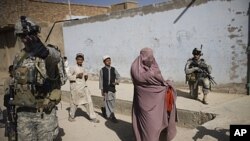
(54, 25)
(69, 9)
(248, 54)
(189, 5)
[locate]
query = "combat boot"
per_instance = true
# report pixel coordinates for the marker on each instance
(204, 101)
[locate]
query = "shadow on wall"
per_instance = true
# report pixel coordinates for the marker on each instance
(218, 133)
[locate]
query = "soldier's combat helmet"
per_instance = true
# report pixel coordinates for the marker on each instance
(24, 26)
(196, 51)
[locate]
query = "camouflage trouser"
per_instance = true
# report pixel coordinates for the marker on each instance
(32, 127)
(193, 87)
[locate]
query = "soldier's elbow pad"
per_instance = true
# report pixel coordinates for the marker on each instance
(55, 95)
(209, 69)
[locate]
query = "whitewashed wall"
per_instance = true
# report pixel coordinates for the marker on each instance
(221, 26)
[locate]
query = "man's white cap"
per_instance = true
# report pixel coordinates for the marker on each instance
(79, 55)
(105, 57)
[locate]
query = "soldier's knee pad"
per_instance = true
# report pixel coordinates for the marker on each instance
(205, 90)
(206, 82)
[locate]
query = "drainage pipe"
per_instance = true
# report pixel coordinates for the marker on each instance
(248, 54)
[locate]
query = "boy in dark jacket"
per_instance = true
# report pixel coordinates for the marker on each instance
(109, 78)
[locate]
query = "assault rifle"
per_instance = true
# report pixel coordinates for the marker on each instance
(10, 125)
(203, 72)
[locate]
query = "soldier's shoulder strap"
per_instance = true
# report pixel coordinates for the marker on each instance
(202, 61)
(40, 70)
(19, 58)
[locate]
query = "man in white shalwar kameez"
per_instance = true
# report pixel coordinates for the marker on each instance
(80, 94)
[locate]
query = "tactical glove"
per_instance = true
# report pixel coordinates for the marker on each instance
(50, 102)
(195, 68)
(199, 70)
(49, 106)
(203, 65)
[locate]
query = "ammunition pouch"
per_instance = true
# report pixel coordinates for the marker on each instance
(21, 75)
(24, 98)
(28, 100)
(25, 75)
(191, 77)
(48, 106)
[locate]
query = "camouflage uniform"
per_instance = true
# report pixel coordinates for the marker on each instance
(38, 75)
(195, 78)
(31, 126)
(33, 122)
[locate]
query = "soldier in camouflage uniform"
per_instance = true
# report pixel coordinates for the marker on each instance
(195, 69)
(37, 85)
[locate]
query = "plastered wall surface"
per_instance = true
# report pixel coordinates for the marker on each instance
(220, 26)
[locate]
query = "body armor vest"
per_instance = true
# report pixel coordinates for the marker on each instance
(29, 78)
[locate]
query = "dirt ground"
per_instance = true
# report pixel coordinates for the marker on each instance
(229, 109)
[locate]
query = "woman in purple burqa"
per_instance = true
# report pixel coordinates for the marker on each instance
(150, 115)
